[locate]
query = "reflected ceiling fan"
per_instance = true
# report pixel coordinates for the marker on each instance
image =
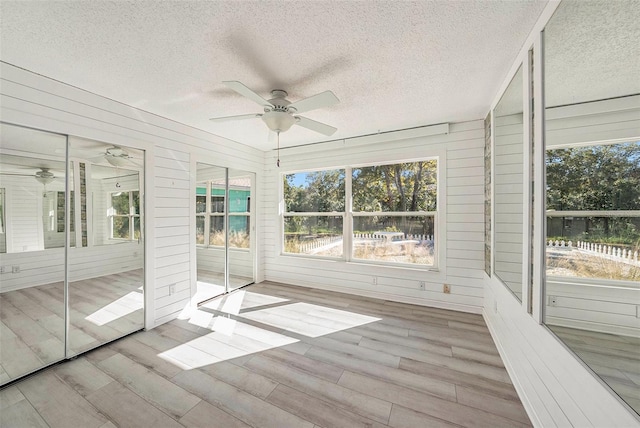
(281, 114)
(43, 175)
(118, 157)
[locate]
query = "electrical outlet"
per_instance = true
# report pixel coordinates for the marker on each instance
(446, 288)
(423, 285)
(15, 269)
(374, 281)
(3, 269)
(172, 289)
(553, 301)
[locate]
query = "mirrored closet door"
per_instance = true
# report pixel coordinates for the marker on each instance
(224, 230)
(71, 247)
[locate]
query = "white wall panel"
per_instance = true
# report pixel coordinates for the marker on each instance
(461, 160)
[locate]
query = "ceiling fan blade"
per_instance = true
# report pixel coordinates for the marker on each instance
(246, 92)
(321, 100)
(320, 127)
(238, 117)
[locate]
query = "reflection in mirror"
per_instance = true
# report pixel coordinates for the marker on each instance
(240, 228)
(224, 254)
(592, 121)
(508, 186)
(106, 280)
(32, 323)
(210, 231)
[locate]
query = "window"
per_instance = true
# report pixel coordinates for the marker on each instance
(593, 211)
(124, 215)
(392, 219)
(314, 213)
(210, 213)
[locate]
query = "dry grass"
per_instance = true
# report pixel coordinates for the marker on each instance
(578, 264)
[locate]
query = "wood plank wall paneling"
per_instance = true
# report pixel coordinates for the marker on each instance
(33, 100)
(461, 157)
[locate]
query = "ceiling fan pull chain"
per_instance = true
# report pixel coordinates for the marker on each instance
(278, 161)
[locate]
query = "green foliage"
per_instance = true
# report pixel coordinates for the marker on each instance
(605, 177)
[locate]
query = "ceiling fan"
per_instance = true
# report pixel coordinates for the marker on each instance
(281, 114)
(118, 157)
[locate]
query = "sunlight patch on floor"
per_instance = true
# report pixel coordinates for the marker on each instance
(230, 337)
(122, 307)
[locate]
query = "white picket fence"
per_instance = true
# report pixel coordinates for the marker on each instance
(608, 251)
(318, 243)
(396, 236)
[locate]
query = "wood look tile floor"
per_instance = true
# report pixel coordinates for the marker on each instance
(273, 355)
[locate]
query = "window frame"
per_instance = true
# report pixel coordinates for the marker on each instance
(348, 215)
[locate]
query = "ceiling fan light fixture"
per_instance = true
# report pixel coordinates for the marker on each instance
(116, 160)
(44, 179)
(278, 121)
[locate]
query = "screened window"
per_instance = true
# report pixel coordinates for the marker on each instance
(124, 215)
(392, 219)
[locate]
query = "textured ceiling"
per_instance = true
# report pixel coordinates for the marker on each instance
(393, 64)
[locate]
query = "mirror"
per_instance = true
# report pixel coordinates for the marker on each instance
(592, 142)
(106, 255)
(224, 230)
(32, 221)
(508, 167)
(240, 228)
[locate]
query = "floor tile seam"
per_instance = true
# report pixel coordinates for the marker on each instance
(330, 404)
(158, 406)
(435, 366)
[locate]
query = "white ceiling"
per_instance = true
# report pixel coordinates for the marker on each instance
(393, 64)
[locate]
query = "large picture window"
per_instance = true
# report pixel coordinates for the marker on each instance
(387, 212)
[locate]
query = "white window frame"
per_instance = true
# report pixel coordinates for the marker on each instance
(348, 215)
(131, 216)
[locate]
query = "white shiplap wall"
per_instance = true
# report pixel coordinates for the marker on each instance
(33, 100)
(460, 220)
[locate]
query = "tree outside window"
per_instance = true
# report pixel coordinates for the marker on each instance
(125, 215)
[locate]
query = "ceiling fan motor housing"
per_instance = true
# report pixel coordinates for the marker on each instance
(279, 117)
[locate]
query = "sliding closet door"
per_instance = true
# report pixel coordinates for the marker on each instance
(106, 251)
(32, 239)
(224, 230)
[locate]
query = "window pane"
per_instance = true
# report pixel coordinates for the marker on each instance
(201, 203)
(216, 230)
(400, 187)
(136, 228)
(594, 247)
(200, 230)
(120, 227)
(135, 202)
(239, 226)
(320, 191)
(317, 235)
(394, 239)
(217, 204)
(120, 203)
(604, 177)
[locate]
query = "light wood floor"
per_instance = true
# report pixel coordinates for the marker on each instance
(615, 358)
(280, 356)
(32, 326)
